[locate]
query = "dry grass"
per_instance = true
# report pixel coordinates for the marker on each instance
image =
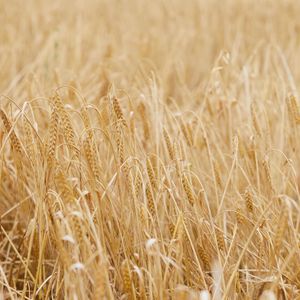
(149, 149)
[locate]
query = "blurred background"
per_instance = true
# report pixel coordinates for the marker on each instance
(48, 43)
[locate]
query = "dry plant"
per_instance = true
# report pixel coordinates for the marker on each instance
(149, 149)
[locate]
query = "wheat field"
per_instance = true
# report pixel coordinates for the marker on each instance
(149, 149)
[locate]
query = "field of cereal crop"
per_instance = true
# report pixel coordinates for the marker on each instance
(149, 149)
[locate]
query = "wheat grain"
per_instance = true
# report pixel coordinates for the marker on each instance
(249, 200)
(53, 138)
(14, 139)
(187, 189)
(127, 279)
(169, 144)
